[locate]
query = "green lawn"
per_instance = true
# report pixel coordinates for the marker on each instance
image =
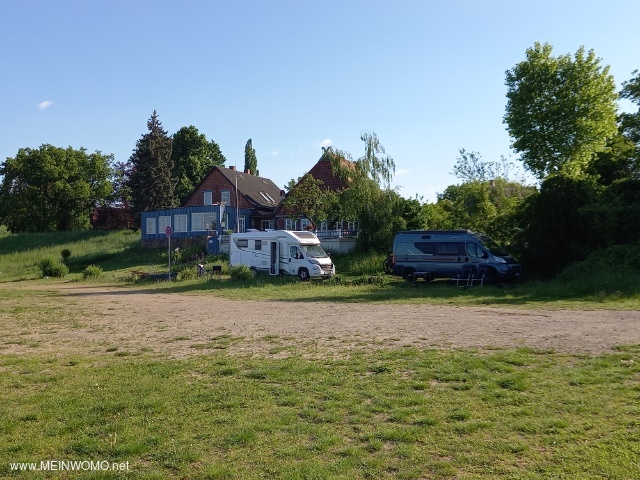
(307, 413)
(402, 413)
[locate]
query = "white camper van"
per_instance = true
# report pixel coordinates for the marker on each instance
(281, 252)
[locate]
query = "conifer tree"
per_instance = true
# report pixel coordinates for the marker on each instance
(151, 184)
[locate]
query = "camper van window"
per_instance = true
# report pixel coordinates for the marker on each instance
(473, 250)
(314, 251)
(428, 248)
(242, 243)
(295, 253)
(449, 248)
(491, 245)
(258, 244)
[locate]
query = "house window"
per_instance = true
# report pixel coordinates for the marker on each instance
(242, 222)
(258, 244)
(208, 198)
(354, 225)
(150, 225)
(267, 224)
(323, 226)
(289, 224)
(225, 222)
(199, 221)
(225, 197)
(180, 223)
(304, 223)
(163, 223)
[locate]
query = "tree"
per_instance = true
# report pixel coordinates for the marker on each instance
(369, 198)
(307, 197)
(630, 122)
(250, 159)
(560, 111)
(52, 189)
(151, 184)
(193, 156)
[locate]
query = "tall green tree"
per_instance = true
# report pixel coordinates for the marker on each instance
(250, 159)
(630, 122)
(560, 110)
(151, 183)
(193, 156)
(369, 198)
(53, 189)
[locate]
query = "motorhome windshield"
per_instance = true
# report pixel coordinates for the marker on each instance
(491, 245)
(313, 251)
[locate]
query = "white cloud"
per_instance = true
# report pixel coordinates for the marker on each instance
(45, 104)
(327, 142)
(273, 153)
(402, 171)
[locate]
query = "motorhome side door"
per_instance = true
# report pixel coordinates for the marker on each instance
(274, 258)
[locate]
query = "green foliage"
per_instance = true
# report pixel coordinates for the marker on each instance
(560, 110)
(65, 254)
(52, 189)
(630, 122)
(241, 273)
(193, 156)
(91, 272)
(186, 272)
(250, 159)
(307, 197)
(150, 182)
(53, 268)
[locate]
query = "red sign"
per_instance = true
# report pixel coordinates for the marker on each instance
(168, 231)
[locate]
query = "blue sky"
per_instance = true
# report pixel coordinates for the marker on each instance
(427, 77)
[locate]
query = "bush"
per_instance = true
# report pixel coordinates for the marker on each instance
(65, 254)
(92, 271)
(53, 268)
(241, 272)
(187, 274)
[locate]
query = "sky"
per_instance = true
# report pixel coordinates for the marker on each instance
(427, 77)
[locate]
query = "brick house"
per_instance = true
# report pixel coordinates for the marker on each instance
(248, 199)
(226, 199)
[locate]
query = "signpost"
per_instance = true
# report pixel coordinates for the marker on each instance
(168, 232)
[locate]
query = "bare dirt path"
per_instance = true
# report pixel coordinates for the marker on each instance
(116, 319)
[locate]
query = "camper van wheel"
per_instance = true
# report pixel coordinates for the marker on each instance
(492, 277)
(254, 271)
(303, 274)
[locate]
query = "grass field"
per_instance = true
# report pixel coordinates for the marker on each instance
(591, 286)
(402, 413)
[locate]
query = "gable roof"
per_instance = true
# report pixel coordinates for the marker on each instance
(260, 191)
(322, 171)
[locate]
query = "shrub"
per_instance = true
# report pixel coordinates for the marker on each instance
(53, 268)
(187, 274)
(65, 254)
(241, 272)
(92, 271)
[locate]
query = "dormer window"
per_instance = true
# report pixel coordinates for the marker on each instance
(208, 198)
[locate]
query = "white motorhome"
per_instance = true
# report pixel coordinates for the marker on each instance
(280, 252)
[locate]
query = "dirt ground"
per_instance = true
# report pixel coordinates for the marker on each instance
(100, 319)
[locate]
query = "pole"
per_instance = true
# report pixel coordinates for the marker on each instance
(169, 252)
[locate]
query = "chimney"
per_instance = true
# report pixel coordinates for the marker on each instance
(248, 170)
(232, 167)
